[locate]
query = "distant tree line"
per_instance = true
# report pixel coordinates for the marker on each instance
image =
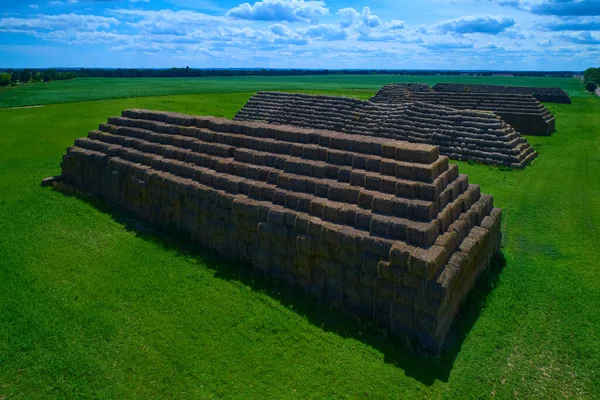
(193, 72)
(15, 76)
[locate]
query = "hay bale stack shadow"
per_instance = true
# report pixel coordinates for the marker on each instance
(400, 352)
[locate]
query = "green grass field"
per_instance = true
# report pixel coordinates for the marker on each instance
(88, 89)
(95, 305)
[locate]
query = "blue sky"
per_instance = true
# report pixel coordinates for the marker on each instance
(432, 34)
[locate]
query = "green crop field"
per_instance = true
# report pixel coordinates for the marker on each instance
(86, 89)
(96, 305)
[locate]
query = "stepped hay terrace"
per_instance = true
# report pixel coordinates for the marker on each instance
(386, 230)
(545, 94)
(522, 111)
(460, 134)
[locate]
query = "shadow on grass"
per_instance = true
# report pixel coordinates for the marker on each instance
(424, 367)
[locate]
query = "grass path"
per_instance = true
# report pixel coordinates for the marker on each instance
(93, 305)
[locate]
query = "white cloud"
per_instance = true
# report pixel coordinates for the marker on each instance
(60, 3)
(582, 38)
(61, 21)
(369, 26)
(72, 36)
(325, 32)
(357, 37)
(167, 21)
(280, 10)
(491, 47)
(519, 33)
(447, 45)
(571, 24)
(486, 24)
(348, 17)
(369, 20)
(556, 7)
(281, 30)
(395, 25)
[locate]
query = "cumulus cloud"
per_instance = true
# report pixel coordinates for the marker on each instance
(395, 25)
(167, 21)
(280, 30)
(365, 19)
(170, 29)
(369, 27)
(276, 36)
(382, 36)
(348, 17)
(97, 1)
(246, 37)
(369, 20)
(72, 36)
(490, 46)
(572, 24)
(283, 34)
(61, 21)
(362, 36)
(325, 32)
(60, 3)
(446, 45)
(556, 7)
(486, 24)
(581, 38)
(280, 10)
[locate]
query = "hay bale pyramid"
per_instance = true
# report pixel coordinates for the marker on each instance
(460, 134)
(545, 94)
(386, 230)
(522, 111)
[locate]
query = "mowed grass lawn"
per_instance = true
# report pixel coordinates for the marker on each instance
(87, 89)
(94, 305)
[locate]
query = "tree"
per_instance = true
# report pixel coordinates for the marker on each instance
(25, 76)
(15, 76)
(591, 86)
(5, 79)
(49, 75)
(592, 74)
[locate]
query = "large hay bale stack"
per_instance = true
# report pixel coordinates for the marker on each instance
(386, 230)
(522, 111)
(547, 94)
(461, 134)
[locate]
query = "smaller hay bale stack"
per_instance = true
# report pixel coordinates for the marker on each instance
(544, 94)
(460, 134)
(522, 111)
(386, 230)
(399, 92)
